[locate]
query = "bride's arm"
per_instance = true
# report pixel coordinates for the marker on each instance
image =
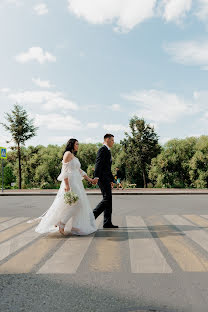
(85, 176)
(67, 158)
(67, 187)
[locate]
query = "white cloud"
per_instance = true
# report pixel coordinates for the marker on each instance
(175, 10)
(196, 135)
(58, 102)
(93, 125)
(41, 9)
(35, 54)
(58, 122)
(159, 106)
(205, 117)
(59, 139)
(91, 107)
(92, 140)
(82, 54)
(4, 90)
(155, 125)
(115, 107)
(115, 127)
(202, 11)
(200, 98)
(125, 13)
(3, 141)
(189, 53)
(42, 83)
(11, 2)
(49, 100)
(164, 140)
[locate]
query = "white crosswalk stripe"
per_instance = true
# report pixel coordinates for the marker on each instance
(147, 253)
(197, 235)
(7, 224)
(68, 258)
(3, 219)
(9, 247)
(204, 216)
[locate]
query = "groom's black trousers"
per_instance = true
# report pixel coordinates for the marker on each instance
(106, 204)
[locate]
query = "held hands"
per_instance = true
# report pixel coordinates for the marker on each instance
(94, 181)
(112, 185)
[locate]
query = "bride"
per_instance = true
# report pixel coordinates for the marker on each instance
(79, 218)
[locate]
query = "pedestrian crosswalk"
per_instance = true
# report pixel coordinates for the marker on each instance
(145, 254)
(161, 244)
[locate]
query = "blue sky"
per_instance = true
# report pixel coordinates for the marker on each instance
(82, 68)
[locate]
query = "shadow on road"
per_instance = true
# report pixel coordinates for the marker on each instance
(141, 232)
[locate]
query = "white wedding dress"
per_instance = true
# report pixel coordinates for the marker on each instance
(80, 215)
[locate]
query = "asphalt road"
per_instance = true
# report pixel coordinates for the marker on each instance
(156, 261)
(144, 205)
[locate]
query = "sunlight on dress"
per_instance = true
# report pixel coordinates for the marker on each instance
(79, 218)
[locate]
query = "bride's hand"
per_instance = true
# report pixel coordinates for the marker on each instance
(94, 181)
(67, 188)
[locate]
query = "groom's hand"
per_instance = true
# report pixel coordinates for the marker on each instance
(112, 185)
(96, 180)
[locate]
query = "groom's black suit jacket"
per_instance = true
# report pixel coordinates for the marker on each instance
(103, 165)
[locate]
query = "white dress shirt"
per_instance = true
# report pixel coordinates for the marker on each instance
(107, 146)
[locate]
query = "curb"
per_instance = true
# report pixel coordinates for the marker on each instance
(99, 193)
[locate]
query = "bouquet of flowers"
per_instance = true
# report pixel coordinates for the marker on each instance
(70, 198)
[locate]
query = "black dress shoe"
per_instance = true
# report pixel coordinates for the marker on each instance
(110, 226)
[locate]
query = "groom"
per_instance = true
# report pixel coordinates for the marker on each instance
(105, 182)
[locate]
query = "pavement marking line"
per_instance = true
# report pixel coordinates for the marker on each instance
(198, 235)
(183, 253)
(106, 248)
(24, 261)
(204, 216)
(12, 222)
(17, 229)
(3, 219)
(145, 255)
(9, 247)
(68, 257)
(197, 220)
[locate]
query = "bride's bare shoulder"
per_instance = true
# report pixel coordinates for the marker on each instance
(67, 156)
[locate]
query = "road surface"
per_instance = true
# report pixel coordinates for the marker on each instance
(156, 261)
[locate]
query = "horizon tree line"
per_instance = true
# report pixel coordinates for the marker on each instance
(140, 157)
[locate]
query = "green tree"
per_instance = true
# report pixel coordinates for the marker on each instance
(140, 147)
(199, 164)
(31, 159)
(8, 176)
(21, 129)
(87, 155)
(119, 159)
(171, 167)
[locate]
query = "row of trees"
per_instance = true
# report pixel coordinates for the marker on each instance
(182, 164)
(142, 161)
